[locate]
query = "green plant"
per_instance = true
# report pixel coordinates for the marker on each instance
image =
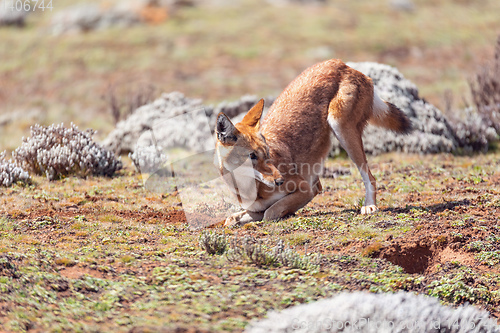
(490, 258)
(213, 243)
(250, 250)
(478, 246)
(460, 288)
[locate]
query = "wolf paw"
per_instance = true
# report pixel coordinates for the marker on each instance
(273, 214)
(242, 218)
(234, 219)
(368, 209)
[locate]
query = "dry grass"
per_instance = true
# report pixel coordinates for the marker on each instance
(485, 90)
(223, 52)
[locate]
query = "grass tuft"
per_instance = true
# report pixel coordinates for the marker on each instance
(213, 243)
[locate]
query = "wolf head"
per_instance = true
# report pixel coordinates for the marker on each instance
(240, 143)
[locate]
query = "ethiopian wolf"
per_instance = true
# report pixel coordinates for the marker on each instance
(281, 153)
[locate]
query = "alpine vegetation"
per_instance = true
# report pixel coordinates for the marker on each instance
(250, 250)
(213, 243)
(10, 173)
(56, 151)
(148, 159)
(485, 91)
(381, 313)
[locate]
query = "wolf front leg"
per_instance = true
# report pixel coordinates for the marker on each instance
(243, 218)
(300, 195)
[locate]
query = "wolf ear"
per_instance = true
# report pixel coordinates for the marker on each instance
(226, 132)
(252, 118)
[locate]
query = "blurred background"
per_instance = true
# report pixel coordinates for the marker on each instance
(93, 62)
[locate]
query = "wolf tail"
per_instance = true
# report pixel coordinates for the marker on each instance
(389, 116)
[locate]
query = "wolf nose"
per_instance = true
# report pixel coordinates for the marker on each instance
(279, 181)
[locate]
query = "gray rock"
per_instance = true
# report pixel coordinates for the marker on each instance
(377, 313)
(173, 121)
(125, 13)
(32, 114)
(167, 117)
(87, 17)
(12, 16)
(402, 5)
(432, 131)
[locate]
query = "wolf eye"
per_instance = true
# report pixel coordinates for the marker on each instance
(253, 156)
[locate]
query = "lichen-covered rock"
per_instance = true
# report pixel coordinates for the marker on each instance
(12, 16)
(173, 121)
(432, 131)
(87, 17)
(167, 117)
(402, 5)
(10, 173)
(377, 313)
(57, 151)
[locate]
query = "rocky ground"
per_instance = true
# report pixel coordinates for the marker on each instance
(106, 254)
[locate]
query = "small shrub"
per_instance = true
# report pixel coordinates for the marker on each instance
(65, 262)
(148, 159)
(127, 259)
(478, 128)
(478, 246)
(7, 267)
(249, 250)
(460, 288)
(125, 98)
(473, 133)
(485, 90)
(372, 250)
(10, 173)
(57, 151)
(213, 243)
(299, 238)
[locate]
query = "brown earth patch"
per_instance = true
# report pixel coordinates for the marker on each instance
(77, 272)
(142, 215)
(450, 255)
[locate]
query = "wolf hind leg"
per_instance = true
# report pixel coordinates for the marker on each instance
(349, 137)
